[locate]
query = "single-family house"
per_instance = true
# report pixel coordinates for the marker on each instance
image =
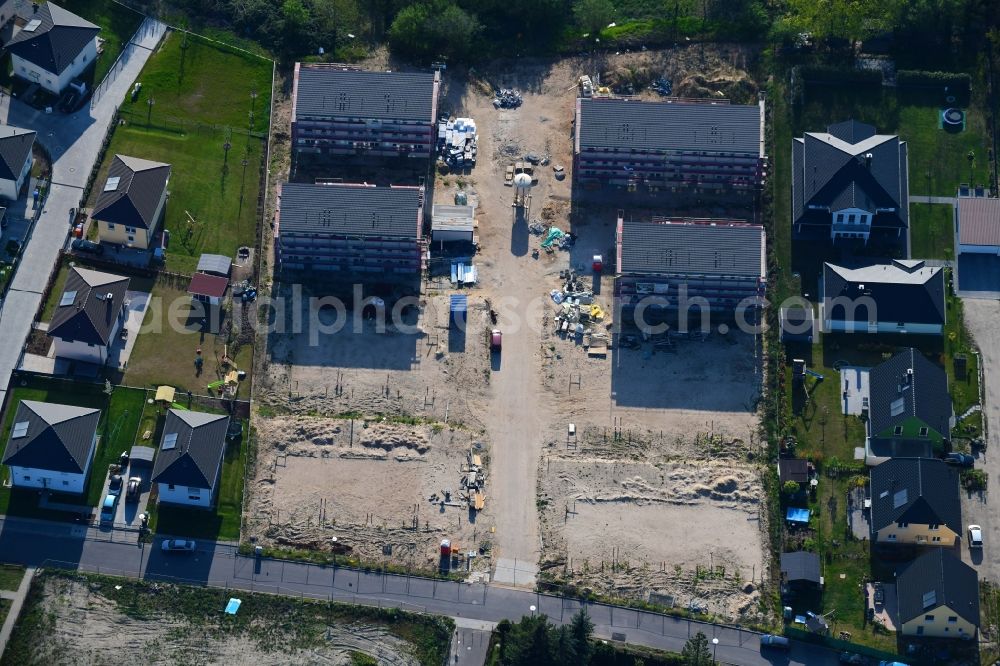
(794, 469)
(51, 446)
(849, 183)
(915, 501)
(674, 146)
(15, 160)
(938, 596)
(370, 233)
(347, 112)
(909, 408)
(208, 289)
(52, 47)
(90, 314)
(904, 296)
(977, 243)
(188, 466)
(132, 201)
(679, 265)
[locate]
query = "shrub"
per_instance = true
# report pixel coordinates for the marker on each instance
(959, 82)
(826, 74)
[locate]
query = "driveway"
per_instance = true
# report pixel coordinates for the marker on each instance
(982, 316)
(74, 142)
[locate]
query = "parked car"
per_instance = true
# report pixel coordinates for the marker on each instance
(235, 430)
(775, 642)
(108, 508)
(134, 489)
(879, 594)
(496, 340)
(178, 546)
(115, 485)
(851, 658)
(960, 459)
(90, 247)
(975, 536)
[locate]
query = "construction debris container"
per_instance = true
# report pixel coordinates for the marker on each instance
(598, 263)
(445, 548)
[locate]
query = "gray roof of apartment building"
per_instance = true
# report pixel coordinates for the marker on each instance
(831, 170)
(386, 212)
(978, 221)
(907, 386)
(938, 578)
(132, 199)
(89, 306)
(15, 146)
(903, 291)
(56, 41)
(701, 247)
(52, 437)
(329, 92)
(922, 491)
(191, 448)
(669, 126)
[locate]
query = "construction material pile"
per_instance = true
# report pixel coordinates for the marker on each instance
(507, 98)
(578, 316)
(458, 142)
(473, 482)
(553, 237)
(663, 86)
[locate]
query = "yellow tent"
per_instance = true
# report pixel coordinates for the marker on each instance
(165, 394)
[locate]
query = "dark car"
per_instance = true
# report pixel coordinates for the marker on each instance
(235, 430)
(775, 642)
(115, 485)
(90, 247)
(851, 658)
(960, 459)
(879, 594)
(496, 340)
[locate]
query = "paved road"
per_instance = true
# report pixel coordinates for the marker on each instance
(982, 316)
(73, 142)
(40, 543)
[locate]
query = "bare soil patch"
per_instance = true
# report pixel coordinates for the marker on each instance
(372, 491)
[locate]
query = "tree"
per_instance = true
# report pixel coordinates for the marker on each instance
(528, 642)
(593, 15)
(438, 29)
(582, 628)
(696, 651)
(790, 487)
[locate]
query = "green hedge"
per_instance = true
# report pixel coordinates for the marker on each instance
(824, 74)
(960, 82)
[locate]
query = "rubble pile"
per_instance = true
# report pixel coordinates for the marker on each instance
(578, 317)
(507, 98)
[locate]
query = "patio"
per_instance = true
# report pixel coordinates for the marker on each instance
(854, 392)
(887, 612)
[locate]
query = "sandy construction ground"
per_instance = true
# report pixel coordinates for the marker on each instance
(312, 484)
(85, 627)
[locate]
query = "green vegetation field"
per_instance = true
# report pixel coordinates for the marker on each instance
(10, 576)
(202, 100)
(116, 431)
(932, 231)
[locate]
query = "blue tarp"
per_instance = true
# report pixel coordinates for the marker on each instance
(795, 515)
(233, 606)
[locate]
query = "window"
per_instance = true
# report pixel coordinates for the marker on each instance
(131, 239)
(170, 486)
(891, 537)
(898, 430)
(928, 618)
(936, 539)
(850, 218)
(933, 527)
(130, 230)
(923, 432)
(65, 483)
(27, 478)
(111, 226)
(953, 618)
(920, 630)
(902, 526)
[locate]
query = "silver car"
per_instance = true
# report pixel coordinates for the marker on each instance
(975, 536)
(178, 545)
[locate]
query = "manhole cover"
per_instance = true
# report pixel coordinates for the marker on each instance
(72, 169)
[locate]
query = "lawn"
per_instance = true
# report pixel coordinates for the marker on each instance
(224, 521)
(165, 350)
(10, 576)
(118, 23)
(116, 431)
(202, 102)
(932, 231)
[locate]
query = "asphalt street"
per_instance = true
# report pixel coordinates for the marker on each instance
(115, 553)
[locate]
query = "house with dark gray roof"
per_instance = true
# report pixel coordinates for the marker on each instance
(49, 45)
(849, 183)
(915, 501)
(665, 266)
(371, 233)
(188, 465)
(15, 160)
(51, 446)
(710, 146)
(132, 201)
(909, 407)
(348, 112)
(89, 315)
(800, 569)
(938, 597)
(904, 296)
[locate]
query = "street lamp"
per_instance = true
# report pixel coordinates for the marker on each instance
(715, 648)
(149, 114)
(532, 609)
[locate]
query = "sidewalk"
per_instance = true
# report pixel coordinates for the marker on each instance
(73, 142)
(15, 608)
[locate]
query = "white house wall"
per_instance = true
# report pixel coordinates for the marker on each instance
(63, 482)
(187, 496)
(49, 80)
